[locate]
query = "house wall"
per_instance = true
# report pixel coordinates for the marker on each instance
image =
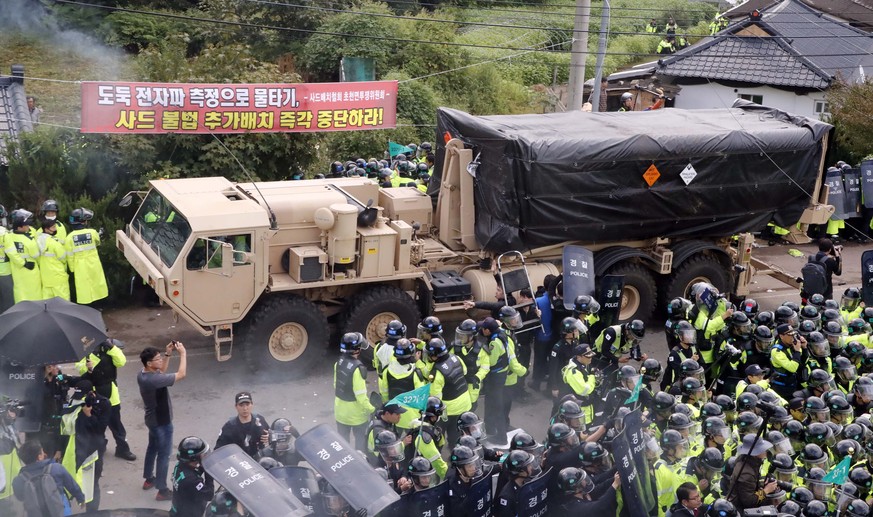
(707, 96)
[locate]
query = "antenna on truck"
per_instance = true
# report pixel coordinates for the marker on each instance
(273, 224)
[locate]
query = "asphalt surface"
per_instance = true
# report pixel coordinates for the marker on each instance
(203, 401)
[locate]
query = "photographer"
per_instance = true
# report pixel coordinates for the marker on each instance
(101, 368)
(55, 386)
(747, 488)
(9, 444)
(788, 357)
(86, 421)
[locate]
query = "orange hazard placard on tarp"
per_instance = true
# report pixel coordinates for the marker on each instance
(651, 175)
(121, 107)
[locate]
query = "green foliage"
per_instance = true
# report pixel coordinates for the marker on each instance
(77, 171)
(135, 31)
(850, 107)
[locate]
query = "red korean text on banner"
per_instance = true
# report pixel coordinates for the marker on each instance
(120, 107)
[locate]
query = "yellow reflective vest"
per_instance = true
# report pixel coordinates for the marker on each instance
(53, 267)
(5, 267)
(27, 283)
(84, 262)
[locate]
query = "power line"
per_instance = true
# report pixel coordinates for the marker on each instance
(381, 38)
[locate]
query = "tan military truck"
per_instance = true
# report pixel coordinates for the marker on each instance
(269, 264)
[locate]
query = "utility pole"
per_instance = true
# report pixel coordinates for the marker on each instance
(601, 53)
(579, 55)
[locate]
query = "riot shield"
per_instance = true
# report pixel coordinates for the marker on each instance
(628, 449)
(611, 287)
(478, 500)
(533, 498)
(261, 493)
(302, 483)
(578, 274)
(852, 186)
(867, 277)
(345, 469)
(867, 183)
(836, 194)
(23, 384)
(426, 503)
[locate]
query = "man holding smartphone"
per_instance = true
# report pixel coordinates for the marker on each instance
(153, 387)
(830, 257)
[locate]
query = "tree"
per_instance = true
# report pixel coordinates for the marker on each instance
(851, 108)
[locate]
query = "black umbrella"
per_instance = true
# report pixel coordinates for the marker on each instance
(49, 332)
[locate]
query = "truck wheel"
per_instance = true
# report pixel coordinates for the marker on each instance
(639, 295)
(286, 335)
(699, 268)
(369, 312)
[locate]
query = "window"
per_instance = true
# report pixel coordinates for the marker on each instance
(162, 227)
(821, 108)
(757, 99)
(206, 253)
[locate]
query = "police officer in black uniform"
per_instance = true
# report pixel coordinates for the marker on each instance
(192, 486)
(466, 470)
(280, 447)
(522, 468)
(571, 329)
(686, 336)
(577, 493)
(385, 418)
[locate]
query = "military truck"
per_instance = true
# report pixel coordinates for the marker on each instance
(269, 264)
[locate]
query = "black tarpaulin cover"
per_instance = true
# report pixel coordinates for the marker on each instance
(548, 178)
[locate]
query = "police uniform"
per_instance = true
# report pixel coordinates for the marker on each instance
(506, 501)
(53, 267)
(449, 384)
(351, 407)
(458, 489)
(516, 370)
(476, 363)
(401, 378)
(7, 298)
(583, 384)
(610, 345)
(562, 353)
(374, 427)
(84, 262)
(674, 364)
(429, 440)
(786, 365)
(495, 384)
(103, 375)
(192, 490)
(606, 504)
(708, 326)
(22, 250)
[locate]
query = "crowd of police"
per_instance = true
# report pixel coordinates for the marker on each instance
(47, 259)
(753, 409)
(411, 168)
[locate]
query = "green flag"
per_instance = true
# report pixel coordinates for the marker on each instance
(635, 395)
(840, 473)
(415, 399)
(394, 149)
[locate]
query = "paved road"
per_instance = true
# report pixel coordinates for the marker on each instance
(204, 400)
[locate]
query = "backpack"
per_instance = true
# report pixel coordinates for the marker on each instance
(40, 494)
(815, 275)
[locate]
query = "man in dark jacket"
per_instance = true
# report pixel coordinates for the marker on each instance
(829, 256)
(89, 414)
(749, 491)
(248, 430)
(689, 501)
(192, 486)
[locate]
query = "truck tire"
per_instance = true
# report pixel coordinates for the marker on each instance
(286, 336)
(369, 312)
(640, 293)
(698, 268)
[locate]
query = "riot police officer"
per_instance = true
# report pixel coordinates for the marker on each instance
(49, 212)
(466, 470)
(494, 386)
(83, 260)
(7, 299)
(617, 340)
(471, 352)
(383, 350)
(686, 336)
(788, 357)
(351, 407)
(586, 309)
(192, 486)
(677, 310)
(281, 446)
(385, 418)
(448, 383)
(581, 381)
(523, 468)
(429, 439)
(562, 352)
(576, 486)
(402, 374)
(22, 253)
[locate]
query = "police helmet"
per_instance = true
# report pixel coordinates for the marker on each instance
(817, 300)
(469, 424)
(677, 308)
(815, 508)
(741, 325)
(726, 402)
(749, 307)
(626, 96)
(395, 329)
(429, 326)
(636, 329)
(570, 409)
(3, 211)
(763, 337)
(81, 216)
(585, 304)
(857, 326)
(765, 318)
(692, 386)
(818, 345)
(404, 351)
(570, 325)
(857, 508)
(861, 478)
(806, 328)
(832, 328)
(715, 427)
(721, 508)
(426, 146)
(690, 368)
(593, 454)
(821, 379)
(784, 314)
(562, 435)
(192, 448)
(747, 401)
(269, 463)
(685, 333)
(712, 460)
(280, 437)
(802, 496)
(222, 503)
(572, 480)
(389, 446)
(510, 317)
(810, 313)
(679, 421)
(841, 410)
(672, 438)
(466, 332)
(664, 402)
(847, 447)
(352, 342)
(651, 369)
(748, 422)
(851, 298)
(462, 455)
(434, 408)
(868, 311)
(436, 348)
(422, 472)
(525, 442)
(518, 461)
(49, 205)
(20, 217)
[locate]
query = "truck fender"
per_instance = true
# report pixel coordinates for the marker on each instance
(608, 257)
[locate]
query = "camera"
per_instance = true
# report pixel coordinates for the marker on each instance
(14, 406)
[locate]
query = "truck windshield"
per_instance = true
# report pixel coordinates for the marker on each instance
(161, 226)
